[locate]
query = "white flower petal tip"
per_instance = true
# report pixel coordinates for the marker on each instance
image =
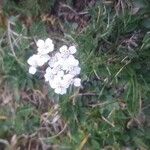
(60, 91)
(75, 70)
(40, 43)
(32, 70)
(72, 61)
(48, 75)
(42, 59)
(77, 82)
(72, 49)
(33, 60)
(60, 73)
(48, 41)
(63, 48)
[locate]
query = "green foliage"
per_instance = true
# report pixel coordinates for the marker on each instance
(111, 110)
(114, 73)
(24, 120)
(28, 7)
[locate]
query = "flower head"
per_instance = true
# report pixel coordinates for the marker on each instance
(62, 69)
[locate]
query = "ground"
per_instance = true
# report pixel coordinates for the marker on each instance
(111, 110)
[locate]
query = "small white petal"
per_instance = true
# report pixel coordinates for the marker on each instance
(77, 82)
(67, 80)
(68, 77)
(50, 47)
(48, 41)
(60, 73)
(58, 90)
(52, 61)
(56, 82)
(42, 60)
(48, 75)
(58, 56)
(32, 70)
(72, 49)
(45, 47)
(48, 70)
(71, 57)
(56, 68)
(72, 61)
(40, 50)
(65, 65)
(45, 50)
(63, 49)
(33, 60)
(63, 91)
(52, 84)
(40, 43)
(75, 70)
(76, 62)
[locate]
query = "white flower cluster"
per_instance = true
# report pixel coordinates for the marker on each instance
(62, 68)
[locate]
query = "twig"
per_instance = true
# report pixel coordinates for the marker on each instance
(66, 6)
(9, 39)
(58, 134)
(122, 69)
(84, 141)
(102, 104)
(108, 121)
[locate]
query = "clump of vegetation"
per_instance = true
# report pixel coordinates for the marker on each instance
(111, 109)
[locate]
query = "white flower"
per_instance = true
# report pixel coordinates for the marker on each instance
(60, 90)
(32, 70)
(60, 73)
(58, 85)
(74, 70)
(69, 63)
(63, 66)
(44, 47)
(67, 80)
(42, 59)
(49, 75)
(56, 60)
(58, 56)
(52, 61)
(33, 60)
(56, 68)
(38, 60)
(72, 61)
(65, 51)
(72, 49)
(77, 82)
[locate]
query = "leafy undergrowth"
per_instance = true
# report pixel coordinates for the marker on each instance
(110, 110)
